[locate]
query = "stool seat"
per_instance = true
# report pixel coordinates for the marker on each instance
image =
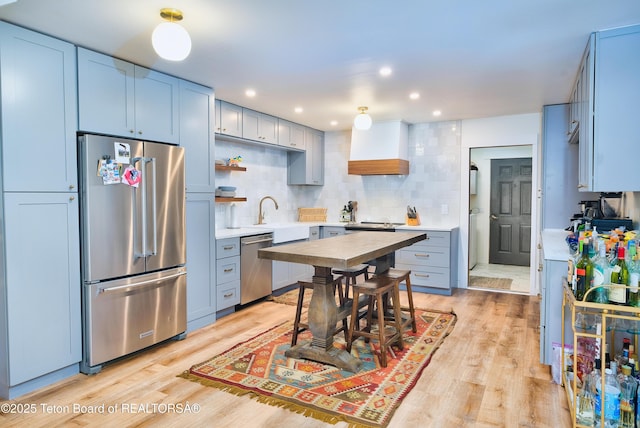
(299, 326)
(389, 330)
(400, 275)
(351, 274)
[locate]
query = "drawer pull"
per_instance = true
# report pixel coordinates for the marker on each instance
(229, 247)
(421, 275)
(228, 270)
(421, 255)
(228, 295)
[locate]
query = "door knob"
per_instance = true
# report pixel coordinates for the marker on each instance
(494, 217)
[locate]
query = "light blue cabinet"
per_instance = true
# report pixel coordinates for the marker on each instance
(228, 119)
(227, 274)
(38, 86)
(196, 109)
(120, 98)
(290, 134)
(40, 328)
(260, 127)
(308, 167)
(201, 260)
(42, 273)
(609, 129)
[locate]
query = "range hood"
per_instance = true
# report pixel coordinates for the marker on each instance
(380, 150)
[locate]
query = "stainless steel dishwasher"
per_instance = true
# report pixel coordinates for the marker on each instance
(255, 273)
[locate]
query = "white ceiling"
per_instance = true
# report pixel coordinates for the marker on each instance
(467, 58)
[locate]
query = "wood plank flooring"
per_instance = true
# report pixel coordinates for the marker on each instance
(486, 374)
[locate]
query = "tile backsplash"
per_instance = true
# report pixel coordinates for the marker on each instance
(432, 186)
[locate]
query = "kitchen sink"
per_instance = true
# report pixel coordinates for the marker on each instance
(285, 232)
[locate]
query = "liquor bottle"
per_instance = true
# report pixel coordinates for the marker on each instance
(584, 272)
(619, 275)
(628, 387)
(585, 413)
(611, 400)
(601, 275)
(634, 275)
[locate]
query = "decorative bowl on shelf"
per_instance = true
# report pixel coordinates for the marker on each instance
(227, 188)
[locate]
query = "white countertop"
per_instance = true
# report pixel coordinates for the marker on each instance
(554, 246)
(253, 230)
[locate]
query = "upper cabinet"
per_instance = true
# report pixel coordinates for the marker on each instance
(120, 98)
(609, 129)
(308, 167)
(290, 134)
(39, 112)
(259, 126)
(196, 108)
(228, 119)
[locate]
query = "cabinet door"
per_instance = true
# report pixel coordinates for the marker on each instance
(201, 256)
(39, 111)
(105, 94)
(195, 112)
(616, 128)
(230, 119)
(316, 153)
(156, 106)
(43, 283)
(259, 127)
(268, 126)
(290, 135)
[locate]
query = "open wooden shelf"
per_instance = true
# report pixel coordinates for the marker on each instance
(221, 199)
(230, 168)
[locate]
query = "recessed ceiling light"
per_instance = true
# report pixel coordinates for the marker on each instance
(333, 123)
(437, 112)
(414, 95)
(250, 93)
(298, 109)
(385, 71)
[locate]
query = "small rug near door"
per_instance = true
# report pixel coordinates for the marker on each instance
(487, 282)
(368, 398)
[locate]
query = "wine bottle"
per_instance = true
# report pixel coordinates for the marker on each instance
(619, 275)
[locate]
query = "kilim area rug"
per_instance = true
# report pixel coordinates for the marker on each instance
(365, 399)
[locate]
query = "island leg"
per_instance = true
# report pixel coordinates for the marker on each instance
(322, 323)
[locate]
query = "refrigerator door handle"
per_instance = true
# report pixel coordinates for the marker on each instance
(138, 228)
(139, 284)
(154, 210)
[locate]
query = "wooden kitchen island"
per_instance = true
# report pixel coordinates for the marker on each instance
(334, 253)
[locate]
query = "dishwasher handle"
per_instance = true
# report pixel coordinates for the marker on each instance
(257, 241)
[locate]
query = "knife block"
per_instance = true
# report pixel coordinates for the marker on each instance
(413, 221)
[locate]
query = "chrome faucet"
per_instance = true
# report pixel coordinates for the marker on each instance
(260, 214)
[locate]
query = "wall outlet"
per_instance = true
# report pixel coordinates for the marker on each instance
(444, 209)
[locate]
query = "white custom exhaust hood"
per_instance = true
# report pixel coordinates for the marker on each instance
(380, 150)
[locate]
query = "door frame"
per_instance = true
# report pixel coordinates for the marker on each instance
(503, 131)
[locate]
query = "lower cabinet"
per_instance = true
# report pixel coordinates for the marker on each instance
(227, 273)
(201, 260)
(286, 273)
(330, 231)
(433, 262)
(40, 329)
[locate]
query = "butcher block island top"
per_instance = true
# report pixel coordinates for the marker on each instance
(342, 251)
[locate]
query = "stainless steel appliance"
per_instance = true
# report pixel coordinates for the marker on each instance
(255, 273)
(133, 246)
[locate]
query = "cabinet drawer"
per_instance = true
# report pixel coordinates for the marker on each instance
(435, 277)
(228, 270)
(435, 239)
(228, 295)
(227, 247)
(425, 256)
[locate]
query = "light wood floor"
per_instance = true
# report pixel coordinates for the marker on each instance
(486, 374)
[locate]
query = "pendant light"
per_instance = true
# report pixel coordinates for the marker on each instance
(363, 120)
(170, 40)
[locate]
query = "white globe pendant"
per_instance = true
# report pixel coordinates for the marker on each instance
(363, 120)
(171, 41)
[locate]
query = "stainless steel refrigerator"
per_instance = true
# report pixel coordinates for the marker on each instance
(133, 246)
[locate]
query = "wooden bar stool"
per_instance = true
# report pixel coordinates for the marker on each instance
(400, 275)
(389, 330)
(351, 274)
(299, 326)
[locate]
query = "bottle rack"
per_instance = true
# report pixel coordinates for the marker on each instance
(605, 313)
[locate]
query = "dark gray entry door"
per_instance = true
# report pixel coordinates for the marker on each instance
(510, 224)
